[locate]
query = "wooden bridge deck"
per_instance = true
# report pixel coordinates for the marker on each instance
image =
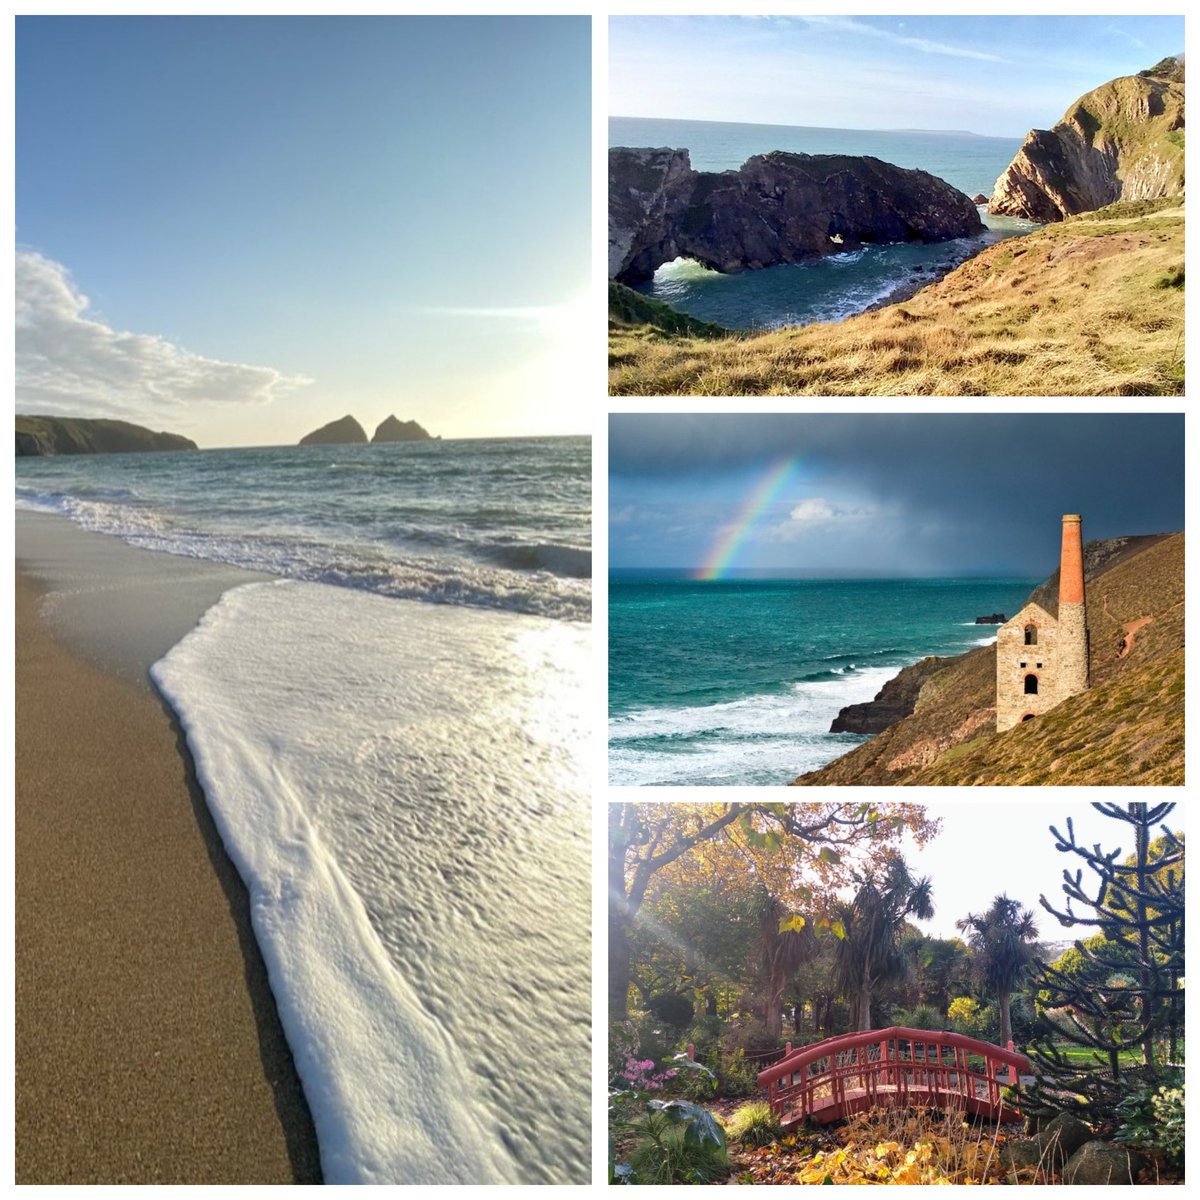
(892, 1067)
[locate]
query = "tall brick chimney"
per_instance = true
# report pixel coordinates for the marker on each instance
(1072, 612)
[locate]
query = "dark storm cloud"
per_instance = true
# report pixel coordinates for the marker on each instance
(999, 481)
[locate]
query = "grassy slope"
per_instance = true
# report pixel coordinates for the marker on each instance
(96, 435)
(1127, 728)
(1092, 306)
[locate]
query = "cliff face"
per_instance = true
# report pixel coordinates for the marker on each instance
(1126, 728)
(778, 208)
(91, 435)
(1122, 141)
(392, 430)
(336, 433)
(893, 702)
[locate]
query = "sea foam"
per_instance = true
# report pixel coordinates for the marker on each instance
(403, 790)
(758, 739)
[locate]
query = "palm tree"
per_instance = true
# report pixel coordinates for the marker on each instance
(782, 952)
(870, 952)
(1004, 942)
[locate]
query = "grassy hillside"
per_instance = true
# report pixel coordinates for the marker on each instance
(91, 435)
(1127, 728)
(1092, 306)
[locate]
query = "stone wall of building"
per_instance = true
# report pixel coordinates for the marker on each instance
(1016, 661)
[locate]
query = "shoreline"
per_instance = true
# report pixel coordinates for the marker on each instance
(148, 1045)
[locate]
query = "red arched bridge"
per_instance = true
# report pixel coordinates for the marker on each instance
(897, 1066)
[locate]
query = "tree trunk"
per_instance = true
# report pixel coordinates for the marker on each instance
(864, 1000)
(618, 968)
(1145, 1005)
(620, 920)
(1005, 1019)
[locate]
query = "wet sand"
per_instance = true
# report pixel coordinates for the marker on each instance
(148, 1048)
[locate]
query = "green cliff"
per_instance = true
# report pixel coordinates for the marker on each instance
(91, 435)
(1122, 141)
(1127, 728)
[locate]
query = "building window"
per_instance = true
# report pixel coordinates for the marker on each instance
(1031, 635)
(1031, 685)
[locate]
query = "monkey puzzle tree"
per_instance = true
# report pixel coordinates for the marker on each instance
(1116, 1003)
(869, 954)
(1004, 942)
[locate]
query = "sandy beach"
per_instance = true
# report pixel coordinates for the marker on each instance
(148, 1048)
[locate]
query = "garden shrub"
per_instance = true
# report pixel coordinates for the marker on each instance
(1151, 1118)
(673, 1142)
(736, 1075)
(754, 1124)
(672, 1008)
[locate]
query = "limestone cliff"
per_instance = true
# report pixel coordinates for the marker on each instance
(777, 208)
(1126, 728)
(91, 435)
(346, 431)
(1122, 141)
(392, 430)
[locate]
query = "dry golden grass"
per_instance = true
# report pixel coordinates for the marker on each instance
(1086, 308)
(1127, 728)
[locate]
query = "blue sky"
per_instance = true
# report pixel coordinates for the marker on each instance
(888, 494)
(999, 76)
(242, 228)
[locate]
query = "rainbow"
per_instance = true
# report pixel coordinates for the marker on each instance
(755, 505)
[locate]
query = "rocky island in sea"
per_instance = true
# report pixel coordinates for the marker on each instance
(346, 431)
(835, 276)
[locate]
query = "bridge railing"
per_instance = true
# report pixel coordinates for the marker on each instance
(887, 1066)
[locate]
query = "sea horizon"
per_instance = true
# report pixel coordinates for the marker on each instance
(737, 680)
(1004, 137)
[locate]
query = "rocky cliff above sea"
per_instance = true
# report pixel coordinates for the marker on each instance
(777, 208)
(91, 435)
(1126, 728)
(1122, 141)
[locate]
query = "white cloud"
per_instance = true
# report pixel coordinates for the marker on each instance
(70, 363)
(925, 45)
(813, 509)
(815, 516)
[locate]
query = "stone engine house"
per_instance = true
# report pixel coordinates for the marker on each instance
(1042, 659)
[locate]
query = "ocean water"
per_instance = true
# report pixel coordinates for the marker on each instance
(737, 681)
(392, 739)
(492, 523)
(832, 288)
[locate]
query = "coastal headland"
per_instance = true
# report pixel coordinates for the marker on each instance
(91, 435)
(1091, 304)
(938, 717)
(148, 1048)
